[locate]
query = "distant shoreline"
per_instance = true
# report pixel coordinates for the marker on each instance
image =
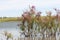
(8, 19)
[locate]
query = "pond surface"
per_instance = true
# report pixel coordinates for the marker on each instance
(11, 27)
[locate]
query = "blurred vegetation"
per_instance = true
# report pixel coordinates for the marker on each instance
(34, 22)
(7, 19)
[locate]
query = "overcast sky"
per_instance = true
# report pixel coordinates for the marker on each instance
(14, 8)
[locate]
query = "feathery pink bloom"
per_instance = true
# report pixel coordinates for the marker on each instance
(33, 7)
(38, 14)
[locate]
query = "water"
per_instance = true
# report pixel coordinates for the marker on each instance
(10, 27)
(13, 28)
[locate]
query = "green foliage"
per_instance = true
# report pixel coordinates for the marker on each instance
(22, 28)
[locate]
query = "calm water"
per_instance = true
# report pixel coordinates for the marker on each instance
(11, 27)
